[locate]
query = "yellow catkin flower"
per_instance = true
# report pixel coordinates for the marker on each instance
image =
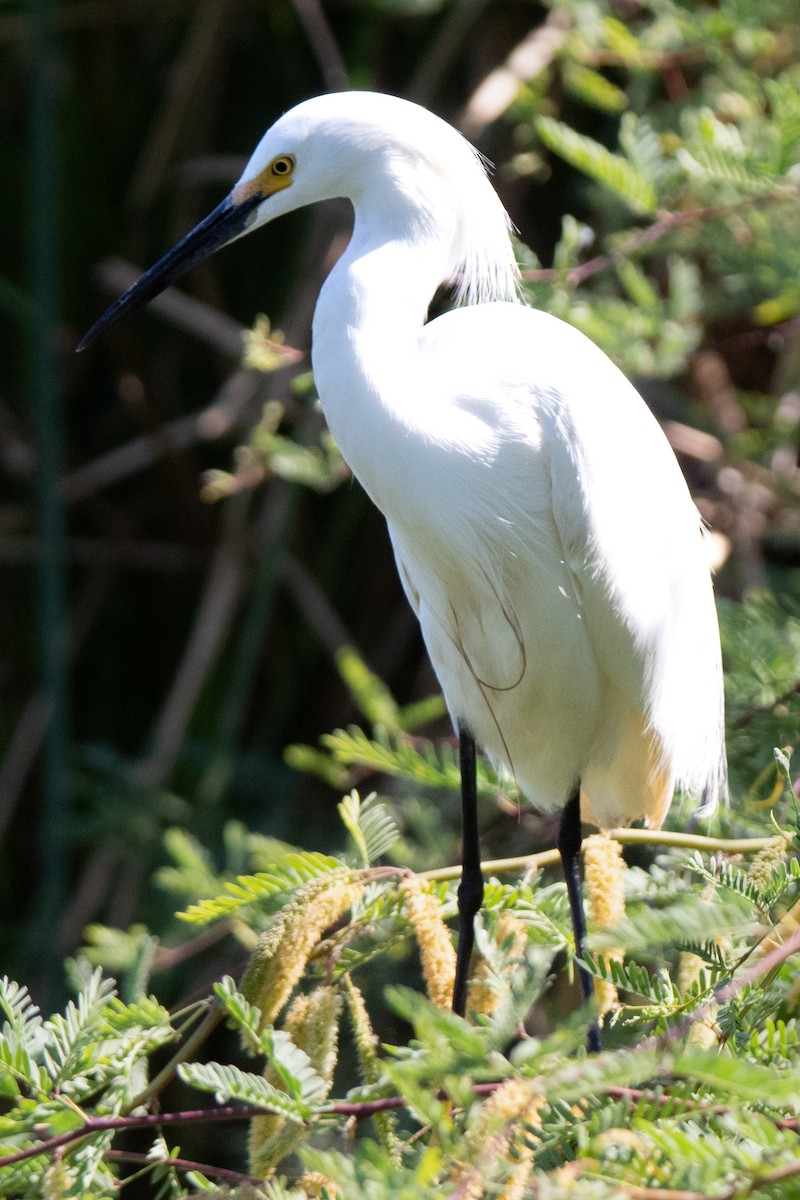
(318, 1186)
(280, 957)
(312, 1022)
(689, 967)
(482, 997)
(499, 1129)
(617, 1136)
(791, 1001)
(57, 1182)
(785, 927)
(604, 871)
(437, 955)
(369, 1063)
(767, 860)
(516, 1185)
(704, 1034)
(524, 1147)
(365, 1038)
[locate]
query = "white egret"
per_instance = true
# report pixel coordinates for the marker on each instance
(543, 532)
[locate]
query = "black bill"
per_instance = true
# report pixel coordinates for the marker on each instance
(227, 221)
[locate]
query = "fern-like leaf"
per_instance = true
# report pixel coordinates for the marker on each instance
(22, 1037)
(687, 921)
(784, 877)
(741, 1080)
(229, 1083)
(294, 1067)
(293, 871)
(616, 173)
(370, 693)
(655, 987)
(242, 1014)
(417, 760)
(69, 1039)
(593, 88)
(370, 826)
(717, 164)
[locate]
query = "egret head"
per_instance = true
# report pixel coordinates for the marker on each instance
(352, 144)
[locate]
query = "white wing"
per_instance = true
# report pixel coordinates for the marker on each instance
(573, 628)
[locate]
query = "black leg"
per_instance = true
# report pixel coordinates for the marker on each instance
(470, 890)
(569, 847)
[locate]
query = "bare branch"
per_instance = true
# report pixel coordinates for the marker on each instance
(322, 41)
(527, 60)
(207, 324)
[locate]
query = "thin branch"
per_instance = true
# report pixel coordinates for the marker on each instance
(635, 1192)
(626, 837)
(745, 718)
(186, 84)
(208, 324)
(226, 1112)
(229, 410)
(763, 967)
(640, 239)
(167, 957)
(368, 1108)
(500, 87)
(167, 1073)
(216, 611)
(26, 740)
(429, 74)
(323, 43)
(778, 1175)
(182, 1164)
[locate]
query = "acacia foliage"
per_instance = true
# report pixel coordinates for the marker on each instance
(685, 122)
(698, 1089)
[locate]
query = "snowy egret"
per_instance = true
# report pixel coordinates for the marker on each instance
(543, 532)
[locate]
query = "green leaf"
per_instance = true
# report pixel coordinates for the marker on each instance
(422, 761)
(618, 174)
(655, 986)
(294, 1067)
(369, 824)
(716, 164)
(244, 1015)
(22, 1038)
(422, 712)
(593, 88)
(193, 873)
(141, 1014)
(299, 1077)
(313, 762)
(638, 287)
(294, 870)
(742, 1080)
(370, 693)
(762, 894)
(688, 921)
(435, 1027)
(230, 1083)
(23, 1019)
(71, 1038)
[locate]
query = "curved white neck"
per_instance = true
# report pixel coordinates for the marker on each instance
(365, 344)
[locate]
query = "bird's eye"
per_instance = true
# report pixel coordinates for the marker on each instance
(282, 165)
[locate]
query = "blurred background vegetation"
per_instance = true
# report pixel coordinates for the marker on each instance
(183, 558)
